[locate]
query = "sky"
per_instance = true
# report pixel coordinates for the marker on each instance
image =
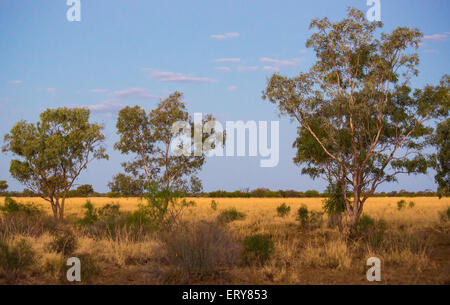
(219, 54)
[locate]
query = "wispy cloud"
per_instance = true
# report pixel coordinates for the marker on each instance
(224, 36)
(134, 93)
(107, 106)
(232, 88)
(247, 68)
(175, 77)
(52, 91)
(15, 82)
(230, 60)
(271, 68)
(281, 63)
(223, 68)
(436, 37)
(99, 90)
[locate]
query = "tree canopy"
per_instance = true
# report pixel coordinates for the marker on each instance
(53, 152)
(360, 122)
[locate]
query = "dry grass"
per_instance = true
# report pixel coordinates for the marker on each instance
(415, 247)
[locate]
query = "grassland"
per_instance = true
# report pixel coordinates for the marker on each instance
(414, 247)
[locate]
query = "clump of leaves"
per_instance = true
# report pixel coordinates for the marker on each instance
(401, 205)
(15, 259)
(283, 210)
(230, 215)
(257, 248)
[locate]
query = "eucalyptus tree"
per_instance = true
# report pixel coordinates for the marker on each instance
(52, 153)
(360, 121)
(148, 138)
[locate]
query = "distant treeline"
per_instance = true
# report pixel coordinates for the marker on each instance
(88, 191)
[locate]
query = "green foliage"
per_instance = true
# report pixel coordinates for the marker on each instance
(401, 205)
(149, 136)
(309, 219)
(283, 210)
(126, 186)
(90, 215)
(230, 215)
(257, 248)
(53, 152)
(359, 119)
(12, 206)
(164, 206)
(3, 186)
(411, 204)
(64, 241)
(15, 258)
(312, 194)
(214, 205)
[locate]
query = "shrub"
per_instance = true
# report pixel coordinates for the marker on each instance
(24, 224)
(309, 219)
(90, 215)
(372, 231)
(257, 248)
(283, 210)
(411, 204)
(15, 258)
(64, 242)
(202, 247)
(312, 194)
(401, 204)
(334, 205)
(213, 205)
(12, 206)
(230, 215)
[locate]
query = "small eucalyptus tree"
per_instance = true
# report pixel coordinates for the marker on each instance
(53, 152)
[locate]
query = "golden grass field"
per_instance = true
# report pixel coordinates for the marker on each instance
(417, 247)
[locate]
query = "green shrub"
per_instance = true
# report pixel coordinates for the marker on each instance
(309, 219)
(12, 206)
(230, 215)
(90, 215)
(201, 248)
(257, 248)
(64, 242)
(411, 204)
(401, 204)
(214, 205)
(15, 259)
(283, 210)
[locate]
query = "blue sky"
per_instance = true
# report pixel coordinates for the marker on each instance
(218, 53)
